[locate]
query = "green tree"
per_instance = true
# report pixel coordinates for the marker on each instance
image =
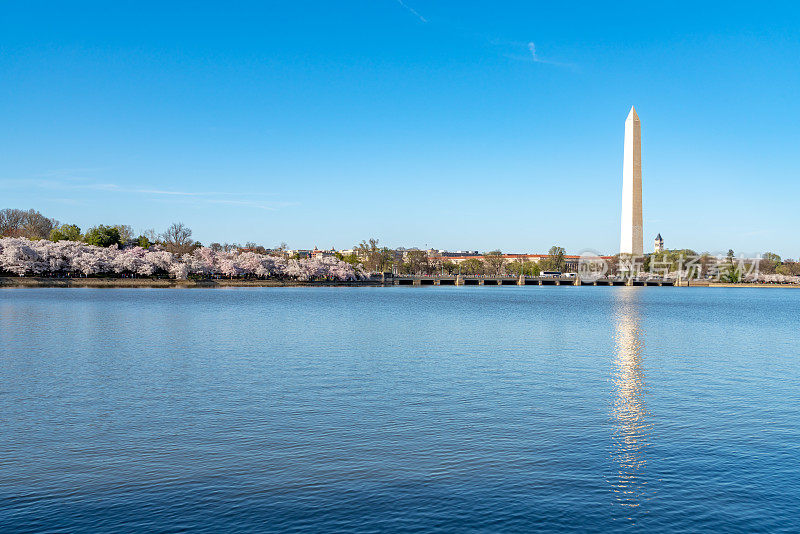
(352, 259)
(434, 266)
(706, 260)
(788, 267)
(519, 266)
(769, 263)
(142, 241)
(731, 274)
(494, 261)
(672, 260)
(373, 257)
(102, 236)
(418, 261)
(514, 268)
(473, 266)
(449, 267)
(66, 232)
(531, 268)
(388, 256)
(56, 235)
(555, 260)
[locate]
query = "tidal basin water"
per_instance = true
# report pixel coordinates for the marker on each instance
(507, 409)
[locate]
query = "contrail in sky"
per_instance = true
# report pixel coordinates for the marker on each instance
(411, 10)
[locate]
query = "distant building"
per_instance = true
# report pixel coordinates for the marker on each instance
(457, 253)
(300, 253)
(659, 246)
(316, 253)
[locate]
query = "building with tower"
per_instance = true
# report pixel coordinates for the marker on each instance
(659, 245)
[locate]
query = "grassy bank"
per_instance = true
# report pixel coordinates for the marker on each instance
(161, 283)
(706, 283)
(748, 284)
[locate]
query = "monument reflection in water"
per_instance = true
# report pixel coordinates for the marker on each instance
(630, 420)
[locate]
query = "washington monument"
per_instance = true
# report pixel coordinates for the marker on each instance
(631, 236)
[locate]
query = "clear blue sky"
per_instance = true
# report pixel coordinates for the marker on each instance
(455, 125)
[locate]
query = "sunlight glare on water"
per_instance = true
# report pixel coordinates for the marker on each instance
(631, 420)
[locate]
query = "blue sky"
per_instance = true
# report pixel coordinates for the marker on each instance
(457, 125)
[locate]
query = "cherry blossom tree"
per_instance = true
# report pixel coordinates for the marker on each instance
(21, 256)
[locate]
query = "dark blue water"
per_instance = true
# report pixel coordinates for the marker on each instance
(397, 409)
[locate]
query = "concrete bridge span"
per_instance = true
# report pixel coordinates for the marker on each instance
(467, 280)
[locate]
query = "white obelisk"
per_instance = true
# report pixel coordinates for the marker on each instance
(631, 235)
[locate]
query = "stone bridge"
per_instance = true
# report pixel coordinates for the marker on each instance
(467, 280)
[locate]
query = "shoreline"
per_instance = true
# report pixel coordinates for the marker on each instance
(753, 284)
(156, 283)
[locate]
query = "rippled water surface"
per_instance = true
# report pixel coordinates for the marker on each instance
(380, 409)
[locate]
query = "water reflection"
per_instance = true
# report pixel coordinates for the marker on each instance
(630, 419)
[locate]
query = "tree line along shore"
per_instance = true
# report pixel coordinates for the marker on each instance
(32, 245)
(35, 246)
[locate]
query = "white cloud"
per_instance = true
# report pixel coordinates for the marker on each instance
(532, 48)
